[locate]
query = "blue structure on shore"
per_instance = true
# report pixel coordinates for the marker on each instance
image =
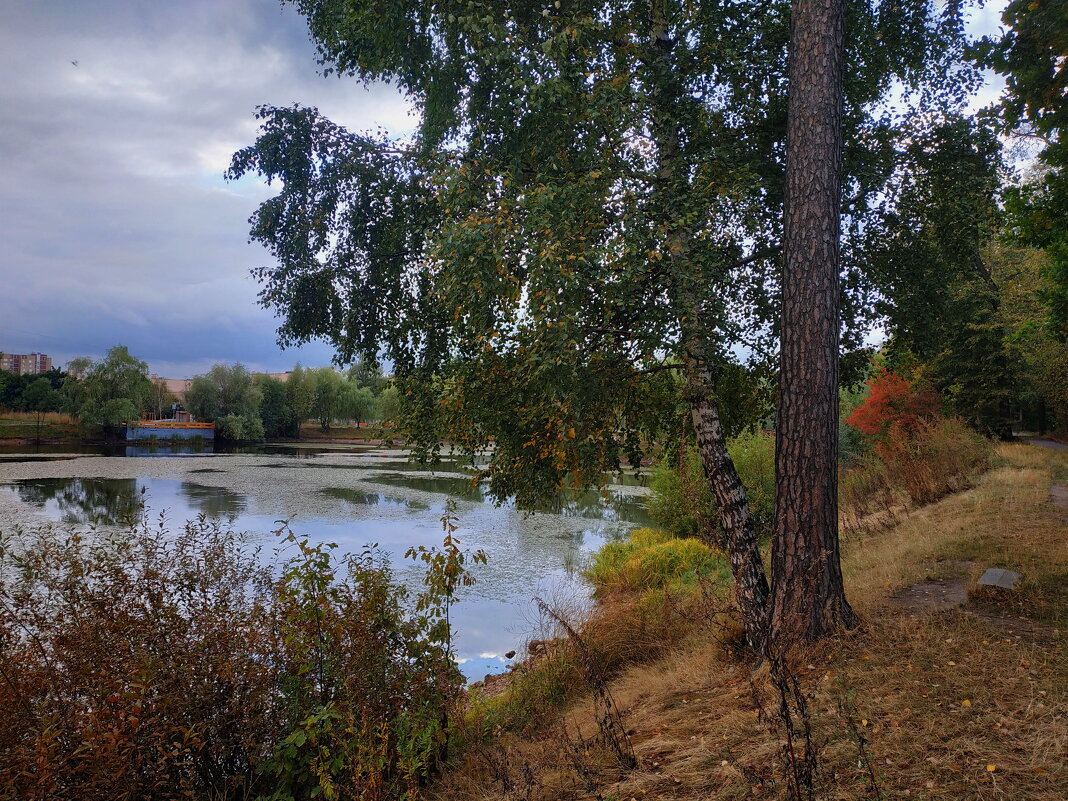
(181, 426)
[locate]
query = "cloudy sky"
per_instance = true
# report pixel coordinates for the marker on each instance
(115, 223)
(117, 120)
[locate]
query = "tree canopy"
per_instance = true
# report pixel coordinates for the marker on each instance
(593, 193)
(113, 391)
(1032, 54)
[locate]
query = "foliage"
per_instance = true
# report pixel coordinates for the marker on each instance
(275, 412)
(592, 195)
(162, 400)
(388, 403)
(446, 572)
(651, 559)
(893, 401)
(365, 373)
(225, 390)
(236, 427)
(252, 428)
(682, 504)
(230, 426)
(367, 686)
(113, 391)
(1031, 55)
(914, 466)
(356, 402)
(1041, 358)
(13, 388)
(939, 295)
(299, 392)
(41, 396)
(177, 665)
(136, 666)
(851, 443)
(327, 387)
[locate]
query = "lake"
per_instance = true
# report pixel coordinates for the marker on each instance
(350, 496)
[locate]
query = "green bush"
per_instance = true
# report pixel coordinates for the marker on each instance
(230, 426)
(682, 503)
(252, 427)
(650, 559)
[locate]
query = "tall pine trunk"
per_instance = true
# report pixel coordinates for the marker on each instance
(808, 600)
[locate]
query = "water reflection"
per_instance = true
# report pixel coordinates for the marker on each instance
(213, 501)
(118, 501)
(593, 505)
(456, 486)
(362, 498)
(92, 501)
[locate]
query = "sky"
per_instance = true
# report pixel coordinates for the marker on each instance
(117, 121)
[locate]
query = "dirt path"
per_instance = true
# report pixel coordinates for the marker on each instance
(1042, 442)
(1058, 496)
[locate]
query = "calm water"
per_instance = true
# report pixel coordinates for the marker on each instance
(353, 498)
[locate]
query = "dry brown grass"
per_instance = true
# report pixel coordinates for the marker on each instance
(21, 426)
(927, 702)
(61, 418)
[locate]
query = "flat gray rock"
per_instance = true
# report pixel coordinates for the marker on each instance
(999, 577)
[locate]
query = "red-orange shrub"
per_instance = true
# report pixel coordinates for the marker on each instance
(893, 401)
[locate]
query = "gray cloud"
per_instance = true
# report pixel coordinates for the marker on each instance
(116, 225)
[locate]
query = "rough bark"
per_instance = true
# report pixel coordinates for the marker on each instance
(743, 547)
(751, 586)
(808, 600)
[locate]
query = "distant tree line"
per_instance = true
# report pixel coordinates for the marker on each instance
(247, 406)
(117, 389)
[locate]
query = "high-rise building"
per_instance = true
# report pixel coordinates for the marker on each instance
(25, 363)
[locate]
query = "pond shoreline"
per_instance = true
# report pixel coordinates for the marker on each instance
(354, 496)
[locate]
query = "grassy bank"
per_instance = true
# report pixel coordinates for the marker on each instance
(930, 699)
(22, 426)
(313, 432)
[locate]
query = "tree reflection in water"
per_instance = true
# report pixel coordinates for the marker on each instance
(213, 501)
(92, 501)
(118, 501)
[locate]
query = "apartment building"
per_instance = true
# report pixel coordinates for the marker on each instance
(25, 363)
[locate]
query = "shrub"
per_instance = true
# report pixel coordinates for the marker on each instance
(152, 665)
(230, 426)
(252, 427)
(651, 560)
(911, 467)
(936, 457)
(893, 401)
(682, 503)
(134, 667)
(366, 686)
